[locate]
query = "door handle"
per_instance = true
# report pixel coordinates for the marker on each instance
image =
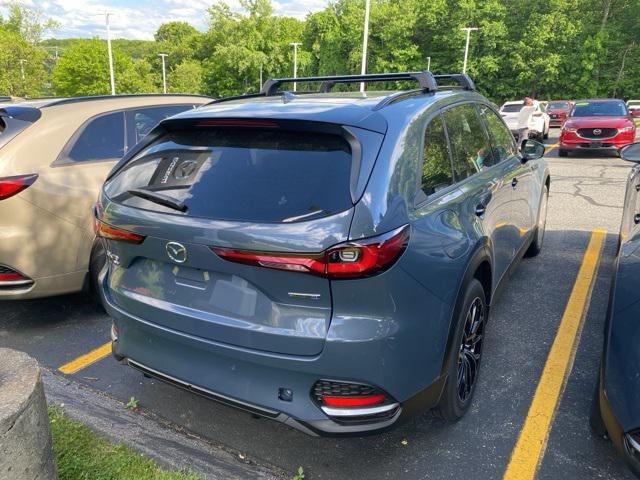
(480, 209)
(636, 218)
(514, 182)
(638, 187)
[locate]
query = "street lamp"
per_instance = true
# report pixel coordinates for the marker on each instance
(113, 83)
(295, 62)
(164, 72)
(365, 41)
(466, 48)
(22, 62)
(429, 64)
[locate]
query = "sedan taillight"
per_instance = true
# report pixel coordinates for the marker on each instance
(346, 260)
(10, 186)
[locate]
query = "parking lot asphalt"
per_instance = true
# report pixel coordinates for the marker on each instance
(586, 194)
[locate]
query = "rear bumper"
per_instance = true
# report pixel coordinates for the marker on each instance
(46, 287)
(615, 431)
(250, 380)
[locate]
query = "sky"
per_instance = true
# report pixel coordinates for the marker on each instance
(139, 19)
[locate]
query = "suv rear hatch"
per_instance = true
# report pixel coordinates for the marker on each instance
(233, 217)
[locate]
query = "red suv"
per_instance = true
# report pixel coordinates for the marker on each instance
(597, 125)
(558, 111)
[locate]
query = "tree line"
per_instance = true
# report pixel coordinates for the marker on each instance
(545, 48)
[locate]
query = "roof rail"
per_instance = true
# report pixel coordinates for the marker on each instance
(425, 79)
(65, 101)
(462, 79)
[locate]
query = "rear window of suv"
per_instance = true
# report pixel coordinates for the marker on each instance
(242, 174)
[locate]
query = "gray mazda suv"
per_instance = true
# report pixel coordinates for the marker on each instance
(325, 259)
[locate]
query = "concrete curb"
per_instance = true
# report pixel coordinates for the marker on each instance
(25, 437)
(169, 445)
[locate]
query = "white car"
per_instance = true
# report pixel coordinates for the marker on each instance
(539, 125)
(634, 108)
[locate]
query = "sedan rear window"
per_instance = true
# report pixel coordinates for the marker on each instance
(557, 105)
(516, 107)
(243, 174)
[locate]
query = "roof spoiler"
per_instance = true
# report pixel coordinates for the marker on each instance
(26, 114)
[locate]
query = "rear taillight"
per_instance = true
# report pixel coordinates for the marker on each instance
(10, 186)
(113, 233)
(346, 260)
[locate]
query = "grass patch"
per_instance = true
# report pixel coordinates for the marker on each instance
(83, 455)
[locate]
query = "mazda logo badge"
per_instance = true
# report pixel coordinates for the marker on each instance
(185, 169)
(176, 252)
(597, 131)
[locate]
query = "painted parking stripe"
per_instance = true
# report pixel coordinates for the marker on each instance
(548, 148)
(532, 441)
(85, 360)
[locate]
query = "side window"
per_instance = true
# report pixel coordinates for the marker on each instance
(101, 139)
(502, 144)
(436, 166)
(144, 119)
(470, 146)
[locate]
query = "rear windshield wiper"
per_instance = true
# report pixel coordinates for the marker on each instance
(158, 198)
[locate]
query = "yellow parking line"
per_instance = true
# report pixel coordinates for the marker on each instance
(548, 148)
(529, 449)
(85, 360)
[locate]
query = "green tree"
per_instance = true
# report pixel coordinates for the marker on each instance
(84, 70)
(185, 78)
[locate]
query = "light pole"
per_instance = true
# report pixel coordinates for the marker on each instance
(466, 48)
(295, 62)
(260, 77)
(164, 72)
(428, 64)
(365, 41)
(22, 62)
(113, 83)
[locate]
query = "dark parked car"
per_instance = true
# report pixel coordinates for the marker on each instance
(597, 125)
(616, 409)
(558, 111)
(323, 259)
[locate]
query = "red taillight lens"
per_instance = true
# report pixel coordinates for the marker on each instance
(112, 233)
(348, 260)
(359, 401)
(10, 186)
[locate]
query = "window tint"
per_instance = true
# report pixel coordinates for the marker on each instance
(436, 166)
(254, 175)
(101, 139)
(469, 143)
(502, 143)
(599, 109)
(144, 119)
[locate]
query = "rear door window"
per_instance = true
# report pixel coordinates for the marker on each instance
(469, 143)
(102, 138)
(140, 121)
(437, 173)
(243, 174)
(503, 145)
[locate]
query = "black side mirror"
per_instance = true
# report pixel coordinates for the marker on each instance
(631, 153)
(531, 150)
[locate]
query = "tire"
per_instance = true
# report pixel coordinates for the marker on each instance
(538, 237)
(96, 263)
(466, 354)
(563, 153)
(595, 418)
